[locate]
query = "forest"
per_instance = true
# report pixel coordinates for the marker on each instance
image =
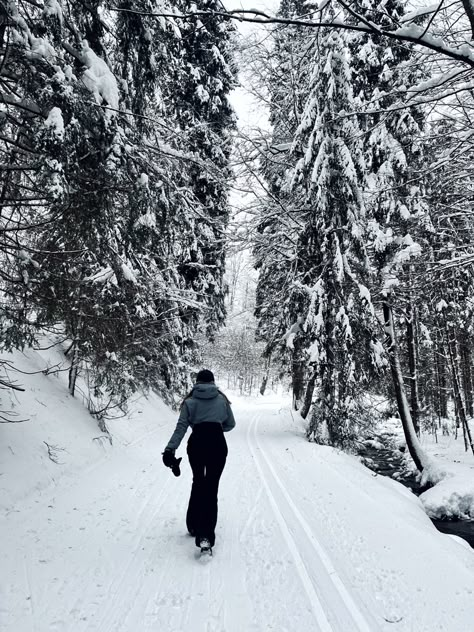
(120, 160)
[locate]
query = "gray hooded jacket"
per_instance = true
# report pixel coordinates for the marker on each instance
(205, 404)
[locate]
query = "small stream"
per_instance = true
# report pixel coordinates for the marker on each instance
(390, 462)
(462, 528)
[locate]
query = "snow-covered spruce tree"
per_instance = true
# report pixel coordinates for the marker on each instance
(329, 290)
(399, 223)
(148, 59)
(100, 274)
(100, 260)
(281, 213)
(198, 105)
(27, 83)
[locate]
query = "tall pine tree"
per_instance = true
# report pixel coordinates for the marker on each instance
(205, 122)
(281, 216)
(330, 287)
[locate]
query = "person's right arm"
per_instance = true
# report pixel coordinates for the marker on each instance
(181, 427)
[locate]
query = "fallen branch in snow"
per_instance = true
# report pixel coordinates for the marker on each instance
(103, 437)
(5, 384)
(7, 420)
(52, 452)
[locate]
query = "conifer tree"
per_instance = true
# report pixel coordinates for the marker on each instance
(330, 288)
(102, 268)
(199, 105)
(118, 188)
(282, 212)
(399, 223)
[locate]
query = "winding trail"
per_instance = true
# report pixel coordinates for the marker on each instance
(110, 553)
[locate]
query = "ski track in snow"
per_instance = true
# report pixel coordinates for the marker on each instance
(109, 552)
(316, 570)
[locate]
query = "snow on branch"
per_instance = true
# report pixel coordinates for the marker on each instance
(21, 104)
(421, 12)
(410, 33)
(97, 77)
(435, 82)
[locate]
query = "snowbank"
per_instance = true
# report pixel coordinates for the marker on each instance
(448, 467)
(453, 494)
(55, 438)
(452, 473)
(51, 426)
(451, 498)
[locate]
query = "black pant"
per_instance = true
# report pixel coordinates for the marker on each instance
(207, 452)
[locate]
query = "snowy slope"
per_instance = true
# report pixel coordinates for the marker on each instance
(308, 539)
(51, 416)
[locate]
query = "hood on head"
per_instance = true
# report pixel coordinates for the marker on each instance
(205, 391)
(205, 376)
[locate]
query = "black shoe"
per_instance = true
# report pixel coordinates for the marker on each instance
(206, 548)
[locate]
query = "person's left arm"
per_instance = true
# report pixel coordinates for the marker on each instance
(229, 423)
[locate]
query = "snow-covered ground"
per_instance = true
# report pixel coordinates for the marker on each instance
(308, 539)
(450, 469)
(453, 496)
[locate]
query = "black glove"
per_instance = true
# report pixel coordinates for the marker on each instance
(171, 461)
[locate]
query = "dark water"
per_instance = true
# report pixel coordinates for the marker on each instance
(389, 462)
(462, 528)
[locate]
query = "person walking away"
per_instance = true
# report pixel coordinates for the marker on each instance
(208, 412)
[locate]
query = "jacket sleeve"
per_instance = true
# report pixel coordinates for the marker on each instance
(180, 430)
(229, 423)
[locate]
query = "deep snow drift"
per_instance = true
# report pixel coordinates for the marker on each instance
(308, 539)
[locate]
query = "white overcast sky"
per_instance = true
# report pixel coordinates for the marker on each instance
(248, 112)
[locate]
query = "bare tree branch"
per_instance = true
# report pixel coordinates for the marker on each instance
(412, 33)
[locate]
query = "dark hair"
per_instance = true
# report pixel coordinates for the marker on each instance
(205, 376)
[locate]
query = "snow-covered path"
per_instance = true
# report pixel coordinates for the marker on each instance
(307, 539)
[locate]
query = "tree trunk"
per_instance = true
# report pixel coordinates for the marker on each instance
(441, 381)
(297, 375)
(308, 397)
(451, 341)
(413, 445)
(73, 370)
(469, 10)
(468, 436)
(466, 373)
(329, 384)
(412, 364)
(263, 385)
